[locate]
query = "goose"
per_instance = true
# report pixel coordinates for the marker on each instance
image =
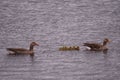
(19, 51)
(97, 46)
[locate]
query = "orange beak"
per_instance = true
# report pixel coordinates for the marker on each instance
(37, 44)
(109, 41)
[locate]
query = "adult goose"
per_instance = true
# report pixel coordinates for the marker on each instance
(97, 46)
(19, 51)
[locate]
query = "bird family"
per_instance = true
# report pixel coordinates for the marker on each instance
(30, 51)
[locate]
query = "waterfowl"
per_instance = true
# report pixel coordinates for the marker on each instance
(97, 46)
(69, 48)
(19, 51)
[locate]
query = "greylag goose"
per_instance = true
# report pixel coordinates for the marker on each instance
(97, 46)
(18, 51)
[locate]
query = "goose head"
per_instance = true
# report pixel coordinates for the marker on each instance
(34, 44)
(106, 40)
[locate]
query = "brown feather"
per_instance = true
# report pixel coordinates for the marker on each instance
(92, 45)
(22, 50)
(97, 46)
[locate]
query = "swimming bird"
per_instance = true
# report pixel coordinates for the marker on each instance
(19, 51)
(69, 48)
(97, 46)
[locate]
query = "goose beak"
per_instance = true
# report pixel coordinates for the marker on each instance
(109, 41)
(37, 44)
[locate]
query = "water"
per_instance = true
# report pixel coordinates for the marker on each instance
(56, 23)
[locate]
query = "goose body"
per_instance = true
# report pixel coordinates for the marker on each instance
(98, 46)
(19, 51)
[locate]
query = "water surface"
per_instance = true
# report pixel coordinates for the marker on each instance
(56, 23)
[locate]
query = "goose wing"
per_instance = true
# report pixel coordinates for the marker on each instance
(16, 49)
(92, 45)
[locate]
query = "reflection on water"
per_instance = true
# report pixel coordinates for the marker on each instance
(52, 24)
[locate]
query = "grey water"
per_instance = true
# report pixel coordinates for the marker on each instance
(56, 23)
